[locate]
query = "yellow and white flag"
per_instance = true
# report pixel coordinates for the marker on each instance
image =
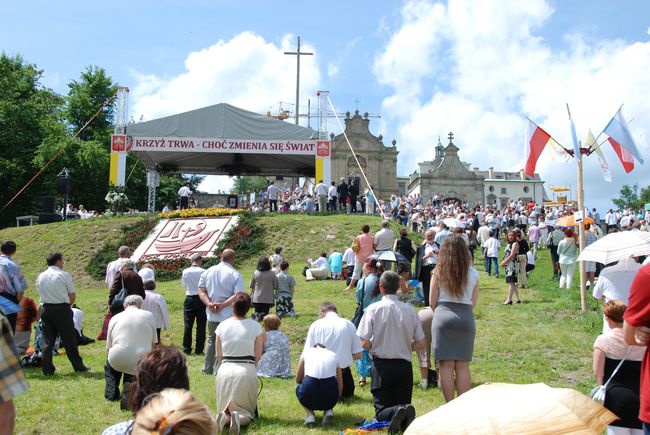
(558, 154)
(592, 144)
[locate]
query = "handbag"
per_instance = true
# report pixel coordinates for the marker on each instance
(358, 313)
(598, 393)
(104, 331)
(356, 245)
(118, 300)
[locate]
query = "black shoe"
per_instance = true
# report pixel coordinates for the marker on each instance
(187, 351)
(408, 419)
(397, 420)
(432, 378)
(83, 341)
(82, 369)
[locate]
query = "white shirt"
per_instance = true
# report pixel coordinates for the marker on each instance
(111, 270)
(155, 303)
(468, 291)
(147, 274)
(332, 193)
(221, 282)
(483, 234)
(319, 363)
(431, 248)
(184, 191)
(492, 246)
(190, 279)
(337, 334)
(53, 286)
(384, 239)
(320, 189)
(238, 336)
(319, 263)
(391, 327)
(611, 219)
(272, 192)
(77, 319)
(131, 334)
(348, 257)
(614, 282)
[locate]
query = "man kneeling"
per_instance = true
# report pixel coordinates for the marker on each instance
(131, 334)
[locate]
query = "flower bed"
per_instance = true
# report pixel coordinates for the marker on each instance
(201, 212)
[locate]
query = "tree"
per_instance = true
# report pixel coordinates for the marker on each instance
(628, 196)
(243, 184)
(28, 114)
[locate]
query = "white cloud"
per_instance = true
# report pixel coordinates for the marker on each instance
(332, 69)
(245, 71)
(475, 68)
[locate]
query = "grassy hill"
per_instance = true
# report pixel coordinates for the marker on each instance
(545, 339)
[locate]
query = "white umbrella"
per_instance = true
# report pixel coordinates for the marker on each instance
(389, 256)
(453, 223)
(515, 409)
(617, 246)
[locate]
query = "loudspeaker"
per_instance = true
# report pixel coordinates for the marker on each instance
(63, 185)
(49, 204)
(46, 218)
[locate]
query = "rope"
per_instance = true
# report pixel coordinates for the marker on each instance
(58, 153)
(381, 211)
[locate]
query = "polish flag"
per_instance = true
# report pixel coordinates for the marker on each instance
(626, 157)
(534, 142)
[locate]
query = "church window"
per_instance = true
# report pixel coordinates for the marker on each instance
(491, 188)
(526, 189)
(503, 191)
(357, 143)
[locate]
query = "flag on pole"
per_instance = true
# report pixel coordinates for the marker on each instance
(592, 144)
(622, 142)
(574, 137)
(534, 142)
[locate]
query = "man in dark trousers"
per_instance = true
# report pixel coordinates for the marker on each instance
(342, 190)
(353, 192)
(57, 293)
(390, 330)
(193, 308)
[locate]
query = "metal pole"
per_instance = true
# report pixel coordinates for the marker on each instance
(298, 81)
(65, 207)
(581, 236)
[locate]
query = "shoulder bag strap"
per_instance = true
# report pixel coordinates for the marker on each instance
(617, 367)
(363, 290)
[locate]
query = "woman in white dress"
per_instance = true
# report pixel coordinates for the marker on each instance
(239, 347)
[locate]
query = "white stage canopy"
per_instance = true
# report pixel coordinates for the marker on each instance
(224, 140)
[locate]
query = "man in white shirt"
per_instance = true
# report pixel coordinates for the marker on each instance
(184, 194)
(318, 268)
(614, 283)
(390, 330)
(321, 193)
(349, 260)
(332, 197)
(384, 238)
(57, 293)
(272, 195)
(340, 336)
(611, 220)
(131, 334)
(217, 287)
(491, 249)
(193, 308)
(123, 254)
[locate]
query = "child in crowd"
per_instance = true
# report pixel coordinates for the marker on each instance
(276, 259)
(155, 303)
(284, 292)
(276, 359)
(78, 321)
(335, 261)
(491, 247)
(28, 314)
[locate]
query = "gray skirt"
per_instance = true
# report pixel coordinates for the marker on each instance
(453, 331)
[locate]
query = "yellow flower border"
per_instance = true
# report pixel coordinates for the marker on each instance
(201, 212)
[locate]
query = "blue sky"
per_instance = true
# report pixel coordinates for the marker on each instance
(427, 67)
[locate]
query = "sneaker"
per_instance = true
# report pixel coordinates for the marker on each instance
(424, 384)
(328, 417)
(396, 422)
(234, 423)
(310, 420)
(410, 416)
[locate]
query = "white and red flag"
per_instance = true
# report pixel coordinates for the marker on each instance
(535, 140)
(622, 142)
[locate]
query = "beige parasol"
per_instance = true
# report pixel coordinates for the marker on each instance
(515, 409)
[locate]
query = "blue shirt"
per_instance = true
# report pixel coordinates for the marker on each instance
(12, 280)
(366, 285)
(336, 262)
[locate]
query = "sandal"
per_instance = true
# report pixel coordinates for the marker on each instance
(362, 383)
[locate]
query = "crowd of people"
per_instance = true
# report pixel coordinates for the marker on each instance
(426, 306)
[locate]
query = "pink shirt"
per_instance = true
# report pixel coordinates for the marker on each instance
(366, 242)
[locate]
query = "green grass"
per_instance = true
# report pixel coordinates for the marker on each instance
(545, 339)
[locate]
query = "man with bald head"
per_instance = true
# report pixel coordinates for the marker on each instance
(217, 287)
(123, 254)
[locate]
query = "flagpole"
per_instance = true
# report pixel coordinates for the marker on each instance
(581, 235)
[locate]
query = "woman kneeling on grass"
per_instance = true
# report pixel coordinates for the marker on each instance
(453, 295)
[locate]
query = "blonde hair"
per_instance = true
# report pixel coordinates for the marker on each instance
(174, 411)
(454, 261)
(271, 322)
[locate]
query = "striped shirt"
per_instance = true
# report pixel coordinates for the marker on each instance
(12, 377)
